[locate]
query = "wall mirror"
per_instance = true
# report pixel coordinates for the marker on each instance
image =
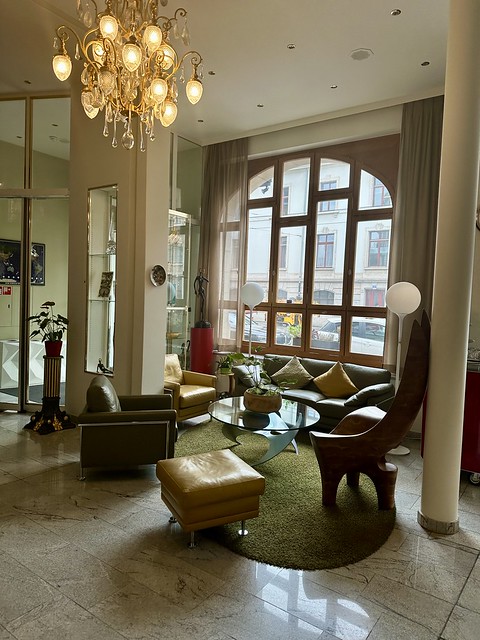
(101, 279)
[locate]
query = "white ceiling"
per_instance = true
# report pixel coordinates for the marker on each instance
(244, 42)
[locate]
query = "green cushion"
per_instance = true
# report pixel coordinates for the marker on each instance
(293, 375)
(101, 396)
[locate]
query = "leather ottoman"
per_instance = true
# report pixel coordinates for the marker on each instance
(210, 489)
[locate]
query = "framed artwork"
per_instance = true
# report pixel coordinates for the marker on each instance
(10, 262)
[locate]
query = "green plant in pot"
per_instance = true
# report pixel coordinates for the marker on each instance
(226, 362)
(51, 327)
(260, 398)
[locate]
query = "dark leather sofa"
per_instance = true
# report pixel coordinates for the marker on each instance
(374, 384)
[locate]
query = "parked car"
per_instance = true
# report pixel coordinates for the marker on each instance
(368, 335)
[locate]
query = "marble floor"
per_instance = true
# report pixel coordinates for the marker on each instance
(98, 560)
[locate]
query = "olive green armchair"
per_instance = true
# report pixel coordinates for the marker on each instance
(124, 431)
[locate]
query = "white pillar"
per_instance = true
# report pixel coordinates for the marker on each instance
(453, 271)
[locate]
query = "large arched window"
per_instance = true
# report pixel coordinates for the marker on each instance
(319, 230)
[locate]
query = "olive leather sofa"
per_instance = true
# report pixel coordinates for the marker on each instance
(374, 385)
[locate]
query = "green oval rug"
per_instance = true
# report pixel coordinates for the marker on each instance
(294, 530)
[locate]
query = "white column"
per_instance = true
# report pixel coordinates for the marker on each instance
(453, 271)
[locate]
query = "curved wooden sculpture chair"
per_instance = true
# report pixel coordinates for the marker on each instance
(359, 442)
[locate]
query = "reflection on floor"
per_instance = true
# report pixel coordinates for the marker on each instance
(35, 394)
(98, 559)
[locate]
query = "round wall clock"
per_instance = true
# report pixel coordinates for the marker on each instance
(157, 275)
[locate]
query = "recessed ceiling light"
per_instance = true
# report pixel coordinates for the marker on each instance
(200, 121)
(395, 12)
(260, 105)
(54, 124)
(425, 63)
(27, 82)
(334, 86)
(211, 73)
(291, 45)
(361, 54)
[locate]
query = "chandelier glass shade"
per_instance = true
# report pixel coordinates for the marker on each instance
(130, 66)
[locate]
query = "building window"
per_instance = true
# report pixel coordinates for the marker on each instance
(374, 297)
(285, 200)
(378, 248)
(381, 197)
(282, 254)
(324, 251)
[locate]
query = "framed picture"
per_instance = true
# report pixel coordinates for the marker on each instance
(10, 262)
(105, 284)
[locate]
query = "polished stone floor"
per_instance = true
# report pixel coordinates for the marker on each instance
(97, 560)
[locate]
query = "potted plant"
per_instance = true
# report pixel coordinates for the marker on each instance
(51, 326)
(260, 398)
(226, 362)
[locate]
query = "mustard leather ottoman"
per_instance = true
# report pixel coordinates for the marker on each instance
(210, 489)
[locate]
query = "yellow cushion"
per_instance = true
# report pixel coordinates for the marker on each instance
(293, 375)
(335, 383)
(173, 370)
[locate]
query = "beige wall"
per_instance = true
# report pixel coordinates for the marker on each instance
(142, 223)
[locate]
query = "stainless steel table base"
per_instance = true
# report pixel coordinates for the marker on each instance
(278, 440)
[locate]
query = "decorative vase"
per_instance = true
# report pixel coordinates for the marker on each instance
(53, 348)
(258, 403)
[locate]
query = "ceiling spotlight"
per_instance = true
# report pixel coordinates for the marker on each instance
(395, 12)
(291, 46)
(260, 105)
(425, 63)
(334, 86)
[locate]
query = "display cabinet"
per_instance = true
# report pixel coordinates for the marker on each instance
(178, 285)
(101, 279)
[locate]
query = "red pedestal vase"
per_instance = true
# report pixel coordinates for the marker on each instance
(201, 349)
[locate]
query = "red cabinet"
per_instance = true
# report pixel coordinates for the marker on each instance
(471, 424)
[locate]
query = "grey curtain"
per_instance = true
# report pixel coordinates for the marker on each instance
(222, 237)
(415, 221)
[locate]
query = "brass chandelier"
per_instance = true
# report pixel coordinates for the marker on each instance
(130, 66)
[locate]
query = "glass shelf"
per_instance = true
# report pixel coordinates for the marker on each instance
(101, 279)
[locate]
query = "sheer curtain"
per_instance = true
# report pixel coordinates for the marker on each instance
(415, 220)
(222, 238)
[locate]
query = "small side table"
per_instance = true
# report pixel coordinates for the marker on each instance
(231, 385)
(50, 418)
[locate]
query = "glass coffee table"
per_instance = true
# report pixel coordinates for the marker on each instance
(279, 428)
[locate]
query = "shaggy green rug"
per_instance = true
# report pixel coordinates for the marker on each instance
(294, 530)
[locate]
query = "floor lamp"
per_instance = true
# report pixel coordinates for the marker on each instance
(402, 298)
(251, 294)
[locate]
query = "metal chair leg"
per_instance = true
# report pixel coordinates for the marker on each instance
(192, 544)
(243, 531)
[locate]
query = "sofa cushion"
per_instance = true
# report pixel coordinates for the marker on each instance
(364, 376)
(335, 383)
(293, 375)
(101, 396)
(173, 370)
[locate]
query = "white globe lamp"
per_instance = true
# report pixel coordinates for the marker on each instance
(402, 298)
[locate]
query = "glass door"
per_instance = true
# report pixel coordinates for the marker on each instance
(11, 216)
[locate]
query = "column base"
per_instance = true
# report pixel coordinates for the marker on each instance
(437, 526)
(50, 418)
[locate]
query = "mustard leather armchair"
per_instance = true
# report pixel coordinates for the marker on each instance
(192, 391)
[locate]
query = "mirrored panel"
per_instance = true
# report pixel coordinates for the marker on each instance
(101, 278)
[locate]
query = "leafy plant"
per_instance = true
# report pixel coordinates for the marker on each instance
(227, 361)
(259, 376)
(51, 326)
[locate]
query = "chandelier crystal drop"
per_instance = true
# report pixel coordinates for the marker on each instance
(130, 66)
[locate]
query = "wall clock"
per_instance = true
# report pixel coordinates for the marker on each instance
(157, 275)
